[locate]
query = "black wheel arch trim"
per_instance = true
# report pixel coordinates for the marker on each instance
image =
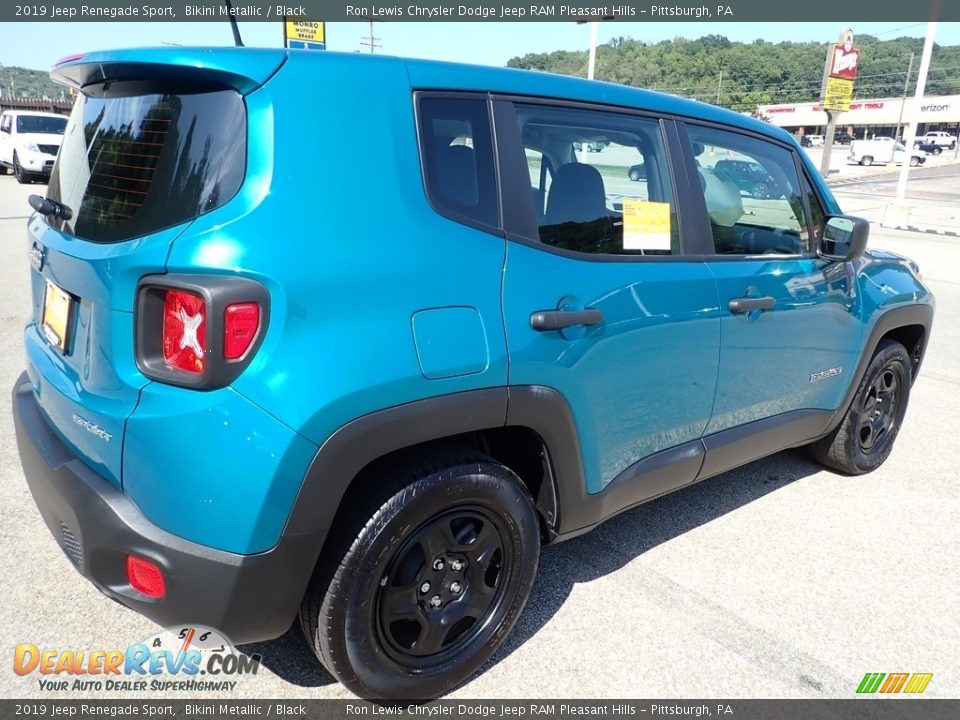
(563, 500)
(892, 319)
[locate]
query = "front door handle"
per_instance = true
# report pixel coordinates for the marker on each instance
(558, 319)
(749, 304)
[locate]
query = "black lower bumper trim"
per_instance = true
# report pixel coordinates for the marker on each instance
(247, 597)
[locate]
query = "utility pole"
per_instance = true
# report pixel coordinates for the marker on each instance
(719, 85)
(371, 41)
(903, 100)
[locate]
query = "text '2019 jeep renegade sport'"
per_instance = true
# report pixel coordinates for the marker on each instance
(258, 387)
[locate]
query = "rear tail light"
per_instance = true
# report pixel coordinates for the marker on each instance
(145, 577)
(240, 324)
(184, 330)
(198, 331)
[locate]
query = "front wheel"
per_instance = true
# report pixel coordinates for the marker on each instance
(427, 578)
(865, 436)
(760, 191)
(22, 176)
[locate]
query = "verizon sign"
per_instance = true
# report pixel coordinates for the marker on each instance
(845, 57)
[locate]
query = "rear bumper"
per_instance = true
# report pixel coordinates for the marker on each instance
(247, 597)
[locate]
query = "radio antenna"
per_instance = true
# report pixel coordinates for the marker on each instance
(233, 24)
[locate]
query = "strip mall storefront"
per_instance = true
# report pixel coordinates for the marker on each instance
(867, 118)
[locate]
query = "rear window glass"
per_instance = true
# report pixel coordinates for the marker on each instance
(41, 124)
(132, 164)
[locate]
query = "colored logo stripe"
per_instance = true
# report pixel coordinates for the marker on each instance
(894, 683)
(870, 682)
(918, 682)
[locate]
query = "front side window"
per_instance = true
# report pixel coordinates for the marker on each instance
(752, 192)
(456, 149)
(600, 181)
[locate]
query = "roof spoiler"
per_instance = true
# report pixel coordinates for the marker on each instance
(242, 69)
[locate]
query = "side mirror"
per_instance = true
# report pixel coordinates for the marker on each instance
(844, 238)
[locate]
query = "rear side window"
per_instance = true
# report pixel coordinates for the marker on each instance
(600, 181)
(456, 150)
(133, 163)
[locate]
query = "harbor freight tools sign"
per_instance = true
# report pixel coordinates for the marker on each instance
(304, 35)
(843, 62)
(461, 11)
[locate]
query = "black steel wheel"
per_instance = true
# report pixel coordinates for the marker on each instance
(864, 438)
(425, 578)
(443, 586)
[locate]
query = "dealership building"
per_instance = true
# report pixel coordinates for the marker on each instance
(867, 118)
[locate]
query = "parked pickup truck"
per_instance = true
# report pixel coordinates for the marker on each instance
(883, 150)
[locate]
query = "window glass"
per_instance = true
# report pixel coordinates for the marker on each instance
(752, 193)
(457, 151)
(600, 181)
(41, 124)
(134, 163)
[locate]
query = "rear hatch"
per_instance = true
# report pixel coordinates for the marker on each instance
(156, 139)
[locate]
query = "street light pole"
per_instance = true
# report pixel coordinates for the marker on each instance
(903, 100)
(592, 61)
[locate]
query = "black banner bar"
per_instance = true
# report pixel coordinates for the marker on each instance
(855, 709)
(471, 11)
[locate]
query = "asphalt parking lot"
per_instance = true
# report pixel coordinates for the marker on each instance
(778, 579)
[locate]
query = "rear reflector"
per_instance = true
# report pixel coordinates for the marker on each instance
(144, 576)
(240, 324)
(184, 330)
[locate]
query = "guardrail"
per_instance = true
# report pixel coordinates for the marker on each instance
(36, 104)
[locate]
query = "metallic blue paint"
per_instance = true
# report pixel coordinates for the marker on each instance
(333, 220)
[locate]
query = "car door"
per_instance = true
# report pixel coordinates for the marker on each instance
(600, 303)
(789, 323)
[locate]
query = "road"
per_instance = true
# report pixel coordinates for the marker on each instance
(778, 579)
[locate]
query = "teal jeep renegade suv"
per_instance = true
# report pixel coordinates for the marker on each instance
(272, 373)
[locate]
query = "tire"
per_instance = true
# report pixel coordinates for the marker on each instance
(760, 190)
(367, 608)
(634, 175)
(865, 436)
(23, 177)
(866, 160)
(914, 161)
(3, 170)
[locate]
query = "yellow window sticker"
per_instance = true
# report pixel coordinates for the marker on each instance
(646, 225)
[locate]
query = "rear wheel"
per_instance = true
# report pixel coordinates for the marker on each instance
(866, 160)
(760, 190)
(865, 436)
(914, 161)
(427, 579)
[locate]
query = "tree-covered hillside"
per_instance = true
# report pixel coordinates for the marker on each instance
(752, 73)
(23, 83)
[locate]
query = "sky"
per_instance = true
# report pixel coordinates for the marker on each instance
(39, 45)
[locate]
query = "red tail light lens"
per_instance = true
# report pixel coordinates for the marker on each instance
(144, 576)
(240, 324)
(184, 331)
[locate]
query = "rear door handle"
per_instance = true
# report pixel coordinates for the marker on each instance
(544, 320)
(749, 304)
